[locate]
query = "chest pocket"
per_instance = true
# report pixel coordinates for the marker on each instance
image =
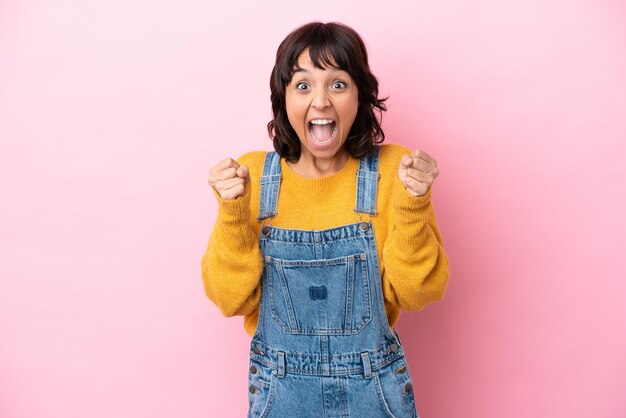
(319, 297)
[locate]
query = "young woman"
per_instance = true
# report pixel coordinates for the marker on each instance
(322, 242)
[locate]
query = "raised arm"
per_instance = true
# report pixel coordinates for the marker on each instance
(232, 265)
(416, 265)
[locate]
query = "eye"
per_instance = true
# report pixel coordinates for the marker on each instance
(302, 86)
(339, 85)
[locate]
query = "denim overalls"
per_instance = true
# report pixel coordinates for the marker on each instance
(323, 346)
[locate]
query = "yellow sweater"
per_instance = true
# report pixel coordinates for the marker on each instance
(413, 263)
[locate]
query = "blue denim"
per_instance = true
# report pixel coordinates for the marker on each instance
(323, 346)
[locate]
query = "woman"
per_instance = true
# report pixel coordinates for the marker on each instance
(321, 243)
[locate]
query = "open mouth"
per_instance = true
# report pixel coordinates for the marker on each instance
(322, 131)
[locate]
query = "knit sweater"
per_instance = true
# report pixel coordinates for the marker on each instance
(413, 263)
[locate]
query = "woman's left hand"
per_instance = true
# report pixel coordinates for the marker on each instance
(417, 172)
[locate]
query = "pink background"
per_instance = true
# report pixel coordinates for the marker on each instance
(113, 112)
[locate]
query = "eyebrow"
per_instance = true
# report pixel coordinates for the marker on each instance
(304, 70)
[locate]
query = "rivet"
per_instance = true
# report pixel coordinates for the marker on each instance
(407, 388)
(364, 226)
(393, 348)
(252, 389)
(253, 369)
(257, 350)
(266, 230)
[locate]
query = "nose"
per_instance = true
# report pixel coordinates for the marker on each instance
(320, 99)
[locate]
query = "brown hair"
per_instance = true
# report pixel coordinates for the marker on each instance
(332, 45)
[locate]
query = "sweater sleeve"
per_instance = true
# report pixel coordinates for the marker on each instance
(232, 265)
(416, 265)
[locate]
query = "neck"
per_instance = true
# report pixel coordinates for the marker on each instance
(315, 167)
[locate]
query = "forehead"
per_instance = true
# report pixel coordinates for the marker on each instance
(327, 62)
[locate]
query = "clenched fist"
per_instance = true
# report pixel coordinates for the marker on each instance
(228, 178)
(417, 172)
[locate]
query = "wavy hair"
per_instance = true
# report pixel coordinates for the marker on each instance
(330, 45)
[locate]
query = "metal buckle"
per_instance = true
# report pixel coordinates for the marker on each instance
(265, 229)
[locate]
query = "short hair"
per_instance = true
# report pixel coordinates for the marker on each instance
(333, 45)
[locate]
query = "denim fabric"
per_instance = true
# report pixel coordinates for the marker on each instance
(367, 184)
(323, 346)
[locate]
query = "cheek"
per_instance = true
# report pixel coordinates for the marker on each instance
(351, 103)
(295, 121)
(349, 111)
(295, 114)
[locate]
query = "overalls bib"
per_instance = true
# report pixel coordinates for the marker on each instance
(323, 346)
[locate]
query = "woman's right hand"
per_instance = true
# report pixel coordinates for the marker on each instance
(228, 178)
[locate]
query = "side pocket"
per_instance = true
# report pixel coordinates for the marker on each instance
(396, 386)
(260, 389)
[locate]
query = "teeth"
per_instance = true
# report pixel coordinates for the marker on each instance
(332, 136)
(321, 121)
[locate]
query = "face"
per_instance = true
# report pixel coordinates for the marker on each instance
(321, 107)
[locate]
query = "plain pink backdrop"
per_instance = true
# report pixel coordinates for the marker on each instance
(113, 112)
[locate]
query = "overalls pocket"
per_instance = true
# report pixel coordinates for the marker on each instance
(396, 389)
(260, 389)
(320, 297)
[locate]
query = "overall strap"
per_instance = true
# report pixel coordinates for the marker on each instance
(367, 183)
(270, 185)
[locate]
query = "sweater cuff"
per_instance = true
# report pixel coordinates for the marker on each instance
(403, 200)
(409, 208)
(237, 209)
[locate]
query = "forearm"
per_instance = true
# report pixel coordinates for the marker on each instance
(415, 263)
(232, 265)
